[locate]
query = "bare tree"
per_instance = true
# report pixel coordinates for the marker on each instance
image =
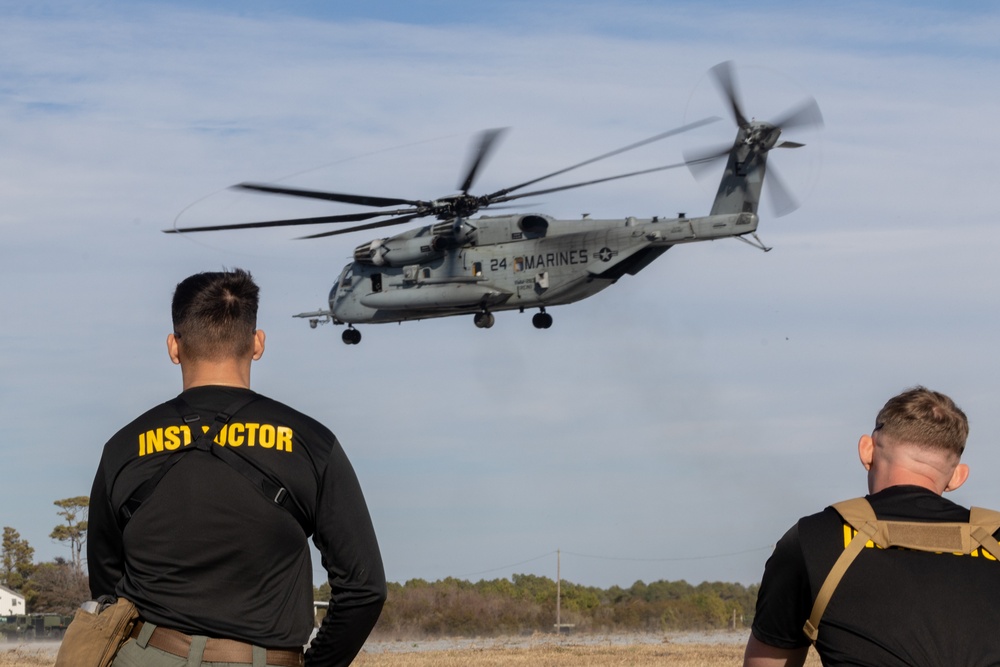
(57, 587)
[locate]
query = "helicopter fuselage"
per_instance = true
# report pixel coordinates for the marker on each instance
(496, 263)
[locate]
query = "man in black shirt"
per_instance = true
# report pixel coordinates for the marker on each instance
(213, 551)
(893, 606)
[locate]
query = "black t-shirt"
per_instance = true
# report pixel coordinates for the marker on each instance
(893, 606)
(209, 554)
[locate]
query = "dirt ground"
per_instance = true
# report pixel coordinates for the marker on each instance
(568, 654)
(26, 655)
(537, 651)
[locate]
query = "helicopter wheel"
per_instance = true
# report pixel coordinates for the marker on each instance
(351, 337)
(483, 320)
(541, 320)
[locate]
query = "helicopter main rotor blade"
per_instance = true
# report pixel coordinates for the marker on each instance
(725, 78)
(361, 200)
(487, 140)
(349, 217)
(373, 225)
(499, 195)
(701, 162)
(593, 182)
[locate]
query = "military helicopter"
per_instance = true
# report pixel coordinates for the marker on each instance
(491, 263)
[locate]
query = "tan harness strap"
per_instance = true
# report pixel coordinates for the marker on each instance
(862, 518)
(957, 538)
(984, 524)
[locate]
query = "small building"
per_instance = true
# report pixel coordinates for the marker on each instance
(11, 602)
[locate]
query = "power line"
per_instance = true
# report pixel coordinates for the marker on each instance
(677, 558)
(507, 567)
(622, 558)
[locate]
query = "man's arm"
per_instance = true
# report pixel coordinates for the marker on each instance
(759, 654)
(346, 540)
(783, 603)
(104, 541)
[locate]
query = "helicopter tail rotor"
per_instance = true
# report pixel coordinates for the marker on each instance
(743, 178)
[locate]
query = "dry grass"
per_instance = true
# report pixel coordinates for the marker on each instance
(545, 655)
(24, 655)
(557, 656)
(638, 655)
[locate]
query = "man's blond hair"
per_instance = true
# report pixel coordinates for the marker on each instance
(925, 418)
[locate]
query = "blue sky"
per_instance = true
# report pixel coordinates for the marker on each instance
(671, 427)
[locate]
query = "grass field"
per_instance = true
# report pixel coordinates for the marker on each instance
(564, 653)
(644, 655)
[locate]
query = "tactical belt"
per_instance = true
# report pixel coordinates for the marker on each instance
(936, 537)
(270, 488)
(216, 650)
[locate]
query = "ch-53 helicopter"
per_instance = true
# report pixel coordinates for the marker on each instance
(479, 266)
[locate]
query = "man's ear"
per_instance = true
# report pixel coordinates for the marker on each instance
(958, 477)
(258, 344)
(173, 348)
(866, 451)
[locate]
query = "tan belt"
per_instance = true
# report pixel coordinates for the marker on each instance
(217, 650)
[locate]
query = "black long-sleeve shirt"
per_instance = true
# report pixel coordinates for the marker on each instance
(209, 554)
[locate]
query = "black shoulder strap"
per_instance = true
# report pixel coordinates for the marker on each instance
(271, 489)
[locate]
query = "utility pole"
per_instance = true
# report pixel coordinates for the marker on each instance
(558, 594)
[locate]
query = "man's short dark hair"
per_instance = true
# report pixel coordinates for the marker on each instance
(925, 418)
(215, 314)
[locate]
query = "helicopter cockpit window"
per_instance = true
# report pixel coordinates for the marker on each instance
(345, 278)
(376, 282)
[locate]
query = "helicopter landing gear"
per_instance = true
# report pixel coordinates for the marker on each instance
(351, 336)
(483, 320)
(541, 320)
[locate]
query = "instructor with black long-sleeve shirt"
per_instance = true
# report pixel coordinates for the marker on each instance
(211, 545)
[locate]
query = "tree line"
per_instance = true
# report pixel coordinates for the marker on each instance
(524, 603)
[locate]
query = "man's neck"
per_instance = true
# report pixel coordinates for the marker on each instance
(228, 373)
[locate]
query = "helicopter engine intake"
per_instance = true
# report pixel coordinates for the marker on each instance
(399, 252)
(454, 232)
